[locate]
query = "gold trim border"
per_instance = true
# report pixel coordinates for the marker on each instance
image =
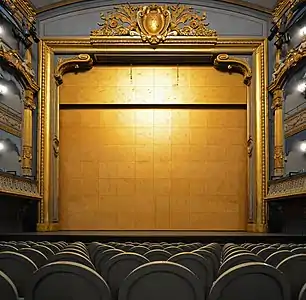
(126, 46)
(241, 3)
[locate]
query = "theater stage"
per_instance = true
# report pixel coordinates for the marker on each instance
(157, 236)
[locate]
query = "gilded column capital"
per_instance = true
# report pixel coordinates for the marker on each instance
(29, 100)
(277, 102)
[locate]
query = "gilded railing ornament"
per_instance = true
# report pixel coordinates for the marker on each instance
(294, 57)
(78, 63)
(21, 9)
(14, 61)
(231, 64)
(153, 23)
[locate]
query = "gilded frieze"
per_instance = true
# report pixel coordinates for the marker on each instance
(153, 23)
(10, 121)
(287, 187)
(18, 186)
(295, 123)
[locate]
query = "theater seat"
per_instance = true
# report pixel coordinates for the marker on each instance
(119, 267)
(294, 268)
(252, 281)
(67, 280)
(162, 281)
(18, 268)
(8, 290)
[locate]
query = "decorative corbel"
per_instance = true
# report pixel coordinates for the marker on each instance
(78, 63)
(224, 62)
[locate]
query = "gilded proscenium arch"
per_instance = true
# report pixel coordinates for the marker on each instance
(126, 46)
(25, 73)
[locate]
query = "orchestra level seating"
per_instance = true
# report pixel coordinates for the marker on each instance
(136, 271)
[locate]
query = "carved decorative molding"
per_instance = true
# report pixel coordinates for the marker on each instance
(29, 100)
(287, 187)
(295, 123)
(56, 145)
(277, 102)
(10, 121)
(25, 72)
(231, 64)
(78, 63)
(18, 186)
(21, 9)
(285, 68)
(153, 23)
(278, 157)
(250, 146)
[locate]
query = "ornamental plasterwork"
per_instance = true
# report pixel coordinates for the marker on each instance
(153, 23)
(295, 123)
(18, 186)
(287, 187)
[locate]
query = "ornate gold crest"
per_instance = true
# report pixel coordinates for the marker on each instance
(153, 23)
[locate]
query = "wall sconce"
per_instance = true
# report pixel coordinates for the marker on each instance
(302, 32)
(3, 89)
(301, 87)
(303, 146)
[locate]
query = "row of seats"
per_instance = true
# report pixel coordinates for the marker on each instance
(134, 271)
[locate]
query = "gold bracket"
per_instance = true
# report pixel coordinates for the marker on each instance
(78, 63)
(229, 64)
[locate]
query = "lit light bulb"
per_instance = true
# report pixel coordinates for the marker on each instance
(303, 31)
(1, 29)
(3, 89)
(301, 87)
(303, 146)
(2, 147)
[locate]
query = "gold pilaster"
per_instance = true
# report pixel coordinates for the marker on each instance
(27, 137)
(277, 106)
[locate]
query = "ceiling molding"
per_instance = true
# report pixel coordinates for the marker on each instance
(241, 3)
